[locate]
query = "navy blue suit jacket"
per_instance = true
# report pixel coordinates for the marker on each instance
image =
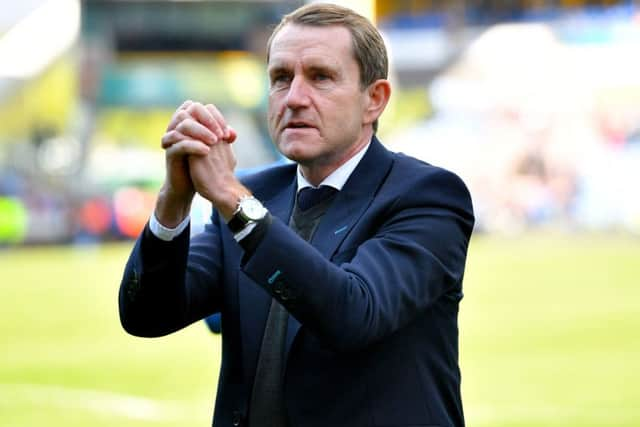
(373, 300)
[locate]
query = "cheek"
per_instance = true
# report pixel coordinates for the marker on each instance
(274, 108)
(272, 121)
(343, 119)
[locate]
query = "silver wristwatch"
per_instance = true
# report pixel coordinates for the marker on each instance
(249, 211)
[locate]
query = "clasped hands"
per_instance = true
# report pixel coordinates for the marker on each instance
(199, 158)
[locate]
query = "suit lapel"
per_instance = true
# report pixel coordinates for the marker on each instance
(281, 204)
(354, 199)
(349, 205)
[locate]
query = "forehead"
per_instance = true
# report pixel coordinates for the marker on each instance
(297, 42)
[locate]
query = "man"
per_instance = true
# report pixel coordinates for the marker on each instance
(338, 313)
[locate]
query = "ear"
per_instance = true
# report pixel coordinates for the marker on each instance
(378, 94)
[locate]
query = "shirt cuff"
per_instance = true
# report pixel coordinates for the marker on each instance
(165, 233)
(244, 232)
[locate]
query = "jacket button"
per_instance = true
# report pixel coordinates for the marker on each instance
(277, 287)
(286, 293)
(236, 420)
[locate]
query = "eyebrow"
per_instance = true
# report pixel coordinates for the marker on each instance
(278, 68)
(322, 68)
(285, 68)
(279, 61)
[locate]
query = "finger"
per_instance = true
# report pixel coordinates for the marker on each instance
(195, 130)
(170, 138)
(185, 104)
(188, 147)
(219, 119)
(233, 135)
(179, 114)
(205, 116)
(177, 117)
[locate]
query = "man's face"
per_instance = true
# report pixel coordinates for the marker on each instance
(316, 104)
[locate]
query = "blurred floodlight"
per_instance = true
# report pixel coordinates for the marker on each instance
(506, 44)
(29, 46)
(59, 155)
(512, 57)
(508, 64)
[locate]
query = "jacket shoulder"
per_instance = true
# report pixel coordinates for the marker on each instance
(413, 169)
(425, 184)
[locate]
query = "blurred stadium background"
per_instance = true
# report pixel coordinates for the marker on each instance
(535, 103)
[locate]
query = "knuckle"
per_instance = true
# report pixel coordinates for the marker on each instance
(196, 109)
(180, 116)
(202, 112)
(185, 125)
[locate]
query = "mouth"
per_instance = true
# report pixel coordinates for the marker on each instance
(298, 125)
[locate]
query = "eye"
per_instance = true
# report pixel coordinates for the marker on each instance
(320, 76)
(280, 79)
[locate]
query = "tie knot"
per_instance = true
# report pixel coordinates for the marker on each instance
(308, 197)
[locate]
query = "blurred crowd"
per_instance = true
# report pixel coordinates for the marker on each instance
(542, 125)
(541, 119)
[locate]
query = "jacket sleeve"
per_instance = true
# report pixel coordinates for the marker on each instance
(415, 255)
(169, 285)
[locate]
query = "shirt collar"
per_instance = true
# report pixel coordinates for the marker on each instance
(338, 177)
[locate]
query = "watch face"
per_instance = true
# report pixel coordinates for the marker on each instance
(252, 209)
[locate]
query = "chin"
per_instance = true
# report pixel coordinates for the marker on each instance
(298, 157)
(298, 151)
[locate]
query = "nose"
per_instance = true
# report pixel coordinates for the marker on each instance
(298, 94)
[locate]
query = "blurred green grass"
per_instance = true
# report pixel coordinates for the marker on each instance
(550, 331)
(549, 337)
(65, 360)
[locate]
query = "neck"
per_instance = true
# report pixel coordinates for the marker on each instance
(316, 171)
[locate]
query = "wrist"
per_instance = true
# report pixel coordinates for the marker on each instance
(228, 204)
(171, 209)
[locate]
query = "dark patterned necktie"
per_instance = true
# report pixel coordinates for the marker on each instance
(309, 196)
(267, 400)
